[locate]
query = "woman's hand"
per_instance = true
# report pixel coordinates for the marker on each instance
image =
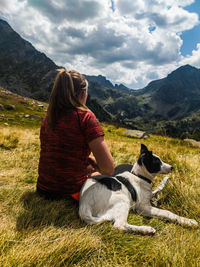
(92, 167)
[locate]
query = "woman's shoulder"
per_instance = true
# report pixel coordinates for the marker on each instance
(86, 113)
(90, 125)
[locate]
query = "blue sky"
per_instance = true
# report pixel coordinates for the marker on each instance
(131, 41)
(191, 37)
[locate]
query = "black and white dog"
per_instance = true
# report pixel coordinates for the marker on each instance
(106, 198)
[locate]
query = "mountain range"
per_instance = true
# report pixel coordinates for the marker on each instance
(170, 105)
(28, 72)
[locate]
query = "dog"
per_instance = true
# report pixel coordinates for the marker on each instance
(109, 198)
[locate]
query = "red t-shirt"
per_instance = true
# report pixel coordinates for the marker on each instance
(65, 151)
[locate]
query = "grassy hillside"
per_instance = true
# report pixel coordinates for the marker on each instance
(19, 110)
(37, 232)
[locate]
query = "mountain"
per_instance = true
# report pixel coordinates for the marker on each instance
(167, 106)
(28, 72)
(120, 104)
(175, 96)
(23, 69)
(101, 80)
(124, 89)
(170, 105)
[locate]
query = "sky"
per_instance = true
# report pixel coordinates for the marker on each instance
(129, 41)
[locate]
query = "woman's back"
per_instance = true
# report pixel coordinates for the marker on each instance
(65, 151)
(69, 133)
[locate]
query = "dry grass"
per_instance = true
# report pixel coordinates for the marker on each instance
(37, 232)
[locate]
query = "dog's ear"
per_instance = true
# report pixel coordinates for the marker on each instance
(144, 152)
(144, 149)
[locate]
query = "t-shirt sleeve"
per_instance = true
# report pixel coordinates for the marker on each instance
(91, 127)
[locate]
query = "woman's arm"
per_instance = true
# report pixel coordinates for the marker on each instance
(102, 155)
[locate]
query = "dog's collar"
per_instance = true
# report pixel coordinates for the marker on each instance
(142, 177)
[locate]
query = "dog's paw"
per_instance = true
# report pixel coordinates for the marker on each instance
(148, 230)
(192, 223)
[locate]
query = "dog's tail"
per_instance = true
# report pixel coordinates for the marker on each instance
(87, 217)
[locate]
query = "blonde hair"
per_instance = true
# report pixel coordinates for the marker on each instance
(65, 94)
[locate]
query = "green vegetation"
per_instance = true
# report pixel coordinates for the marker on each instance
(37, 232)
(19, 110)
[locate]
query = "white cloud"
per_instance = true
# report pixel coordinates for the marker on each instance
(2, 3)
(193, 59)
(158, 13)
(132, 44)
(182, 3)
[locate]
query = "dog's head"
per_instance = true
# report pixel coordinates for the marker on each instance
(152, 162)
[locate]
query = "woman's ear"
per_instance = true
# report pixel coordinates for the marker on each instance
(82, 97)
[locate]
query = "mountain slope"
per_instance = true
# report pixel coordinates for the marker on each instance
(23, 69)
(101, 80)
(177, 95)
(28, 72)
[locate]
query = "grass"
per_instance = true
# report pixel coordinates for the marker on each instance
(26, 112)
(37, 232)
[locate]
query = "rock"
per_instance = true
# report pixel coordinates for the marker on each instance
(9, 107)
(32, 116)
(1, 107)
(6, 124)
(40, 106)
(193, 142)
(136, 134)
(24, 103)
(5, 92)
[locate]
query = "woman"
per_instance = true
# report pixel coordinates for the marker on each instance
(69, 133)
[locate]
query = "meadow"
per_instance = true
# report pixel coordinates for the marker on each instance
(38, 232)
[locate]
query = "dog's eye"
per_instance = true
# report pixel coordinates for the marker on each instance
(158, 160)
(152, 163)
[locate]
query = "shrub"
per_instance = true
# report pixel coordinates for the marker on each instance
(9, 142)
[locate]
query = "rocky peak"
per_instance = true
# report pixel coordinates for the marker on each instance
(184, 72)
(22, 67)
